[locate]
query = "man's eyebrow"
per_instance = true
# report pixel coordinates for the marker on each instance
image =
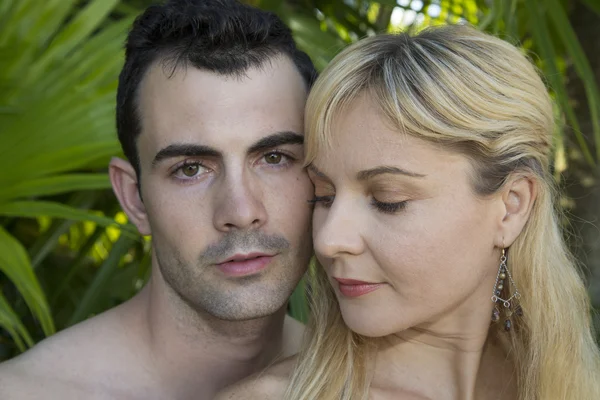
(184, 149)
(385, 169)
(276, 139)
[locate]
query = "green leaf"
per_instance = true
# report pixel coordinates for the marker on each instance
(87, 305)
(33, 209)
(593, 5)
(102, 54)
(16, 167)
(488, 18)
(298, 304)
(510, 21)
(15, 264)
(320, 45)
(76, 265)
(10, 321)
(580, 62)
(55, 184)
(47, 241)
(28, 26)
(391, 3)
(542, 38)
(5, 7)
(78, 29)
(52, 16)
(498, 6)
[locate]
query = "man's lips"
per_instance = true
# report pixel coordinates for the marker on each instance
(245, 264)
(356, 288)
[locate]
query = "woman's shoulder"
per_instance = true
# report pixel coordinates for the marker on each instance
(269, 384)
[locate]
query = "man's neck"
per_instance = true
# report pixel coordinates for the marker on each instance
(192, 354)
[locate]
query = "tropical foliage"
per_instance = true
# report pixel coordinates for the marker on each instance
(66, 249)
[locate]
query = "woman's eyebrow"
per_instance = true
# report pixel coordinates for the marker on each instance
(386, 169)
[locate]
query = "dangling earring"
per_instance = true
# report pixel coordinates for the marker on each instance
(510, 305)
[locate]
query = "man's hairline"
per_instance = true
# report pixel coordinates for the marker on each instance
(136, 99)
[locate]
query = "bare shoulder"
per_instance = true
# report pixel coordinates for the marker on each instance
(19, 380)
(60, 366)
(267, 385)
(13, 382)
(74, 346)
(23, 379)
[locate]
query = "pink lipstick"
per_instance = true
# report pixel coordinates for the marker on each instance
(354, 288)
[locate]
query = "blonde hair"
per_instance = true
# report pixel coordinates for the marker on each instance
(480, 96)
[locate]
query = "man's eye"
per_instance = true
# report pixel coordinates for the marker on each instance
(190, 169)
(273, 158)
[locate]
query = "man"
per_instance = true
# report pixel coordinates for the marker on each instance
(210, 116)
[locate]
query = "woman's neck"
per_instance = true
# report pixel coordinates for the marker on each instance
(449, 359)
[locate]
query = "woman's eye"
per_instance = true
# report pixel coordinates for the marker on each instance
(325, 201)
(388, 208)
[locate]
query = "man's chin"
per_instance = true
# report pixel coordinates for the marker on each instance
(242, 314)
(243, 301)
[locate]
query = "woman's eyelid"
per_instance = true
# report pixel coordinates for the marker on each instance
(324, 192)
(389, 208)
(322, 185)
(389, 198)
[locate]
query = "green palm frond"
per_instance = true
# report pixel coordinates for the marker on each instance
(58, 71)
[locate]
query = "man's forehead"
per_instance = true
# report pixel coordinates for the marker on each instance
(195, 106)
(276, 78)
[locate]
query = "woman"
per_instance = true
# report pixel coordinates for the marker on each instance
(444, 273)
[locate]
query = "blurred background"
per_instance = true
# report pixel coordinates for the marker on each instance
(67, 251)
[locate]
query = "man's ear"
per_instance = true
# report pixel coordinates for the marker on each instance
(518, 196)
(125, 185)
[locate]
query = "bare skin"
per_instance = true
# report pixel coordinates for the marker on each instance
(198, 325)
(400, 213)
(495, 380)
(118, 355)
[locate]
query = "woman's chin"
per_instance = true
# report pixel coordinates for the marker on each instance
(367, 325)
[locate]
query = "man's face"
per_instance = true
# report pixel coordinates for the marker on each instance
(223, 187)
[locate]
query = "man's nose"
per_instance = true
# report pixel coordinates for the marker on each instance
(239, 204)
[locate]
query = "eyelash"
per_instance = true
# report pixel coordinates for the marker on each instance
(281, 153)
(326, 201)
(386, 208)
(187, 163)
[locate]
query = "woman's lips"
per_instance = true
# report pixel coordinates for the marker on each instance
(245, 265)
(355, 288)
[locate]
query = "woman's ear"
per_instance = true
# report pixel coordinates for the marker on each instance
(124, 181)
(518, 196)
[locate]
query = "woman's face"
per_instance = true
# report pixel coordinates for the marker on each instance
(400, 215)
